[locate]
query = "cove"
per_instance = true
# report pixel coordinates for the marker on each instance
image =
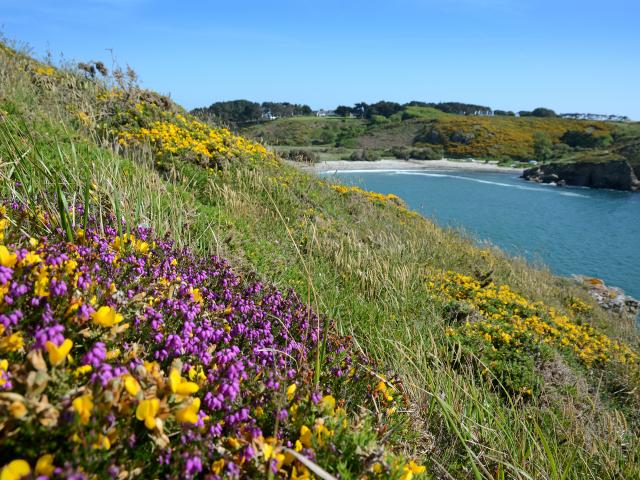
(572, 230)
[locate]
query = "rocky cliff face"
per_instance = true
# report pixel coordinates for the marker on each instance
(617, 175)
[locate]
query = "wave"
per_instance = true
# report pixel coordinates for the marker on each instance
(347, 170)
(540, 188)
(571, 194)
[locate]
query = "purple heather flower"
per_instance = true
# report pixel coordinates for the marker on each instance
(5, 274)
(193, 466)
(96, 355)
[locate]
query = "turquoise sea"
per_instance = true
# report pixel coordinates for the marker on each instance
(572, 230)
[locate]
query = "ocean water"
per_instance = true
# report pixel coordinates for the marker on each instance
(572, 230)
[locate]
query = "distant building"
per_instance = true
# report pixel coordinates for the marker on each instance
(325, 113)
(268, 115)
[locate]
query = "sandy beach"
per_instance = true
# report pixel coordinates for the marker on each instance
(393, 164)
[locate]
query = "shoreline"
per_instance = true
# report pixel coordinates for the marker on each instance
(394, 164)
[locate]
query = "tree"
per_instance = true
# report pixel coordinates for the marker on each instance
(232, 112)
(585, 139)
(360, 109)
(344, 111)
(459, 108)
(383, 108)
(543, 112)
(285, 109)
(542, 146)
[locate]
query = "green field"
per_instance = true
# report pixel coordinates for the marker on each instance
(498, 370)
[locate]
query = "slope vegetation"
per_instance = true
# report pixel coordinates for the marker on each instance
(343, 336)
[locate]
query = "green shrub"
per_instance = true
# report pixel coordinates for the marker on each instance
(302, 156)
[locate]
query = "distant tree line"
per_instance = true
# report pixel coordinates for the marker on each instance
(238, 112)
(386, 109)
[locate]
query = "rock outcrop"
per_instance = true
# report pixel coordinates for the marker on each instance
(610, 298)
(617, 175)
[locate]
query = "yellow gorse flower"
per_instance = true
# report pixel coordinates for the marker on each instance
(196, 295)
(4, 367)
(57, 354)
(11, 343)
(147, 411)
(102, 443)
(291, 391)
(84, 406)
(31, 258)
(411, 469)
(267, 451)
(7, 259)
(131, 385)
(41, 286)
(15, 470)
(328, 404)
(305, 436)
(189, 414)
(82, 370)
(303, 475)
(217, 466)
(106, 317)
(44, 465)
(180, 385)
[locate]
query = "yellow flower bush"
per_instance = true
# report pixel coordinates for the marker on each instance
(375, 197)
(512, 328)
(179, 135)
(505, 136)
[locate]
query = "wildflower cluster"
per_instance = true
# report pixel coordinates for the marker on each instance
(512, 328)
(190, 138)
(375, 197)
(578, 307)
(132, 116)
(121, 355)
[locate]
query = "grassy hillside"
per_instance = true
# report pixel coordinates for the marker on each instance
(433, 134)
(401, 350)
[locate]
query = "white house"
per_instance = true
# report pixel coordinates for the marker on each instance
(325, 113)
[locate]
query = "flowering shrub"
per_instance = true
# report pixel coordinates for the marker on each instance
(578, 307)
(498, 136)
(375, 197)
(187, 137)
(121, 356)
(512, 332)
(121, 111)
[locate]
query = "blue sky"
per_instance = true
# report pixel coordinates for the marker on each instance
(569, 55)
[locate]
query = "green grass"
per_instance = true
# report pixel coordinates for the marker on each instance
(308, 131)
(365, 265)
(427, 113)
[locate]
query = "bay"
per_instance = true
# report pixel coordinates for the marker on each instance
(572, 230)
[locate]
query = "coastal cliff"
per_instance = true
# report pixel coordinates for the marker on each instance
(617, 175)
